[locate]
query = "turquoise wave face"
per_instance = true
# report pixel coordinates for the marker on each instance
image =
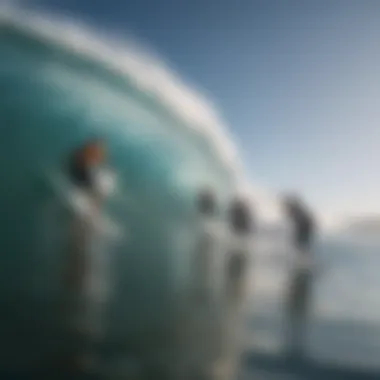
(52, 99)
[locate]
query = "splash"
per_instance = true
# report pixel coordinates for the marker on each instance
(60, 84)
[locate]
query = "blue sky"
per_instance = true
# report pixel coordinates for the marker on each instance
(298, 82)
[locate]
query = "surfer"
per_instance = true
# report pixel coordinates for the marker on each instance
(81, 171)
(241, 225)
(303, 223)
(301, 279)
(203, 260)
(83, 328)
(200, 310)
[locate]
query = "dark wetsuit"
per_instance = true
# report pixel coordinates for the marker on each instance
(240, 218)
(303, 235)
(301, 282)
(241, 224)
(304, 228)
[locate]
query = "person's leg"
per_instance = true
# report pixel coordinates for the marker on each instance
(294, 316)
(299, 319)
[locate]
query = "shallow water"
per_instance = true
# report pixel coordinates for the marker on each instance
(344, 327)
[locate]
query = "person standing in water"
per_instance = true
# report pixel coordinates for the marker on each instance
(82, 171)
(200, 299)
(241, 225)
(298, 302)
(203, 258)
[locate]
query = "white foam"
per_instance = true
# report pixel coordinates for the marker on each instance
(150, 75)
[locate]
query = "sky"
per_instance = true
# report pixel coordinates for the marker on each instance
(297, 81)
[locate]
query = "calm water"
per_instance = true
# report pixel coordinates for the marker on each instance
(345, 327)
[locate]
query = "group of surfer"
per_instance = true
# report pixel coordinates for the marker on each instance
(83, 169)
(241, 224)
(85, 163)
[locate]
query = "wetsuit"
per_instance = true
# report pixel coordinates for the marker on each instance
(240, 218)
(301, 282)
(304, 228)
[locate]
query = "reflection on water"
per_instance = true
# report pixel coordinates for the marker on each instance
(344, 327)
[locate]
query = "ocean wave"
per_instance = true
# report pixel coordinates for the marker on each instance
(61, 84)
(127, 67)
